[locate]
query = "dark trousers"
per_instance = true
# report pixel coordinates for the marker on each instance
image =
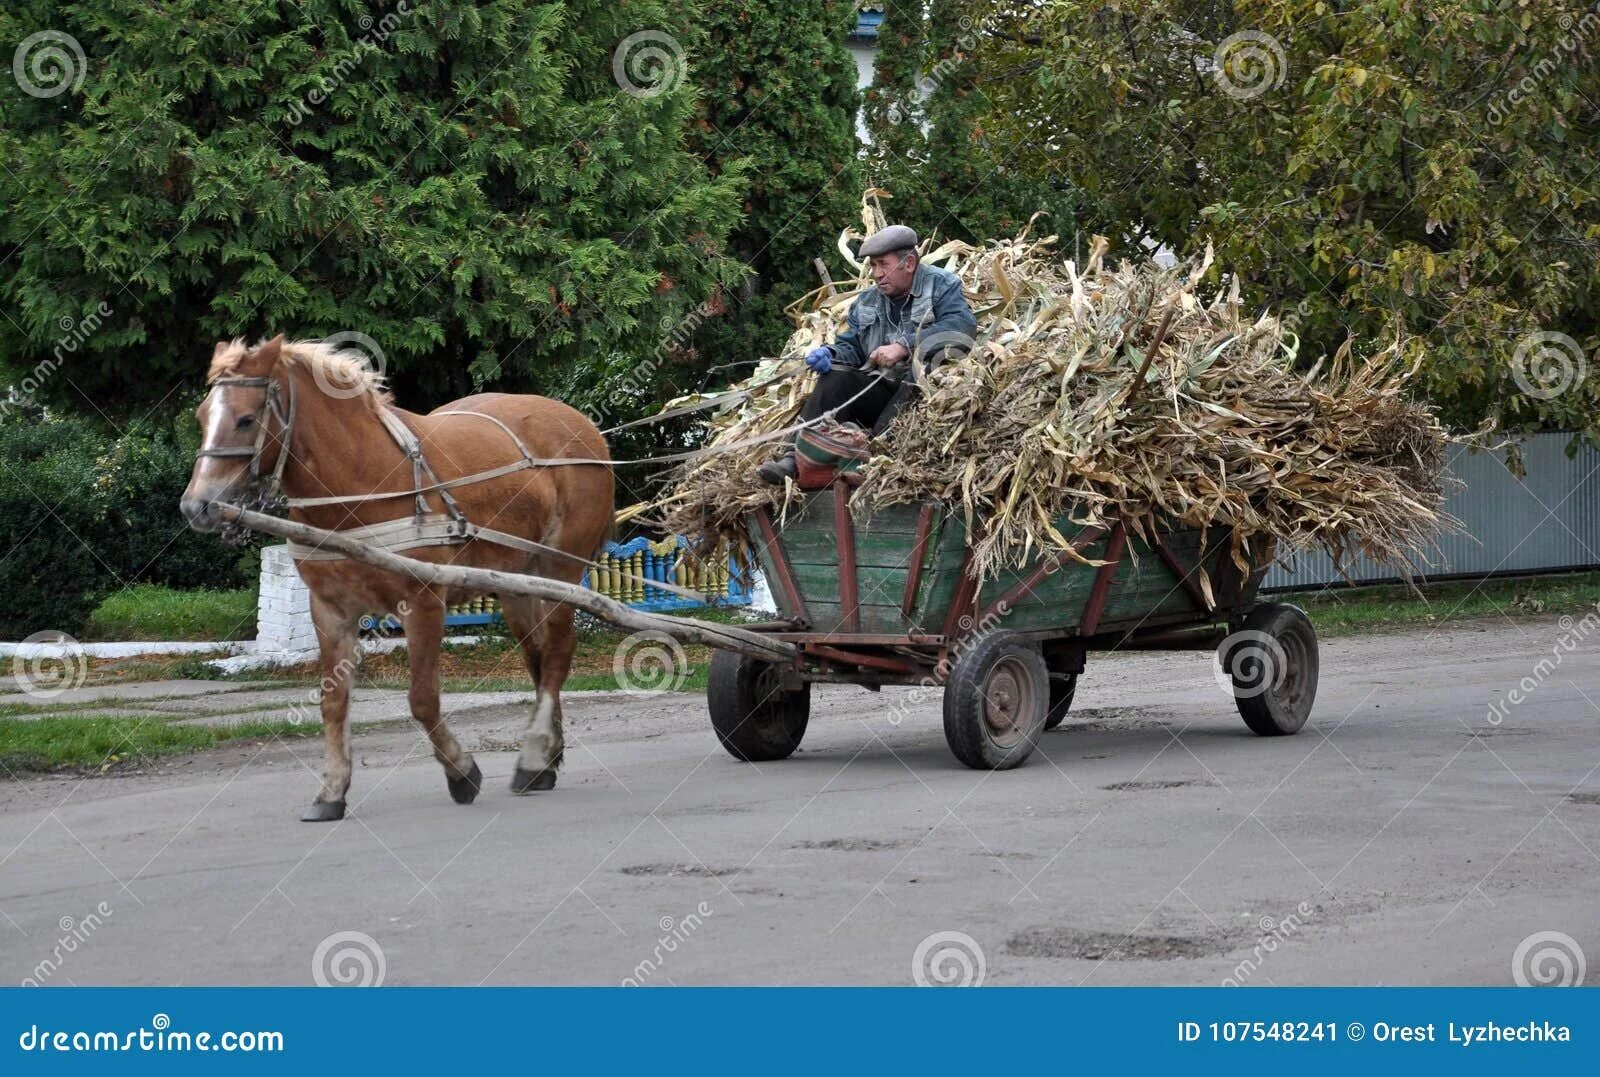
(872, 409)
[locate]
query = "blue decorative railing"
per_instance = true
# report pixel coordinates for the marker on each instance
(623, 572)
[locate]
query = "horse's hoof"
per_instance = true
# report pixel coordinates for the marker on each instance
(465, 790)
(324, 811)
(533, 781)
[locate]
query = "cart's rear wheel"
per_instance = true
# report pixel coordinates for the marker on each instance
(756, 719)
(996, 702)
(1272, 661)
(1063, 686)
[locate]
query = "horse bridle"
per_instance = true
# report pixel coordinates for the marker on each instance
(272, 405)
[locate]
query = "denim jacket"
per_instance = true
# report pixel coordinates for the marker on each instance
(933, 316)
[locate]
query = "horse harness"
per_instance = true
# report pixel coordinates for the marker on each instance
(424, 527)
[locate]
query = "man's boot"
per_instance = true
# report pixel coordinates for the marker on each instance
(776, 472)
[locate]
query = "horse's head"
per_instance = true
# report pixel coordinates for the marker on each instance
(246, 421)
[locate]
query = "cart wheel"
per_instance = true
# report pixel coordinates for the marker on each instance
(1062, 689)
(755, 718)
(1272, 661)
(995, 703)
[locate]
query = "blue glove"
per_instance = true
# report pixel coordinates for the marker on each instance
(820, 359)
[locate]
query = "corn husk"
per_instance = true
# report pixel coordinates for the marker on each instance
(1044, 420)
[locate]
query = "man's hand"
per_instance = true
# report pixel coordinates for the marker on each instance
(820, 359)
(888, 355)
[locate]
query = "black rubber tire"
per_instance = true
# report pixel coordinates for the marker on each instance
(755, 719)
(1061, 692)
(1005, 679)
(1272, 660)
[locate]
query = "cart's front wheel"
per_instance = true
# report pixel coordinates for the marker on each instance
(1272, 662)
(1062, 688)
(756, 719)
(996, 702)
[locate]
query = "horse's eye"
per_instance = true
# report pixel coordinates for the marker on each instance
(246, 422)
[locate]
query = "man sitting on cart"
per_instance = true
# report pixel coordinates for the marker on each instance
(915, 313)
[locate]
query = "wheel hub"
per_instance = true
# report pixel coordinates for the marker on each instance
(1007, 702)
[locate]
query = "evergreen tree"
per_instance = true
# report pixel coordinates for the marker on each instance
(488, 190)
(777, 90)
(927, 114)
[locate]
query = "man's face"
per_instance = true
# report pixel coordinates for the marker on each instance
(892, 272)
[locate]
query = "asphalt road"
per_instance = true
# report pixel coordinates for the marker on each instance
(1402, 838)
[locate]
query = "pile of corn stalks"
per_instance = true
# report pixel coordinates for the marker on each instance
(1048, 420)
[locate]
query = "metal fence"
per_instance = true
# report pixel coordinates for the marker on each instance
(1545, 521)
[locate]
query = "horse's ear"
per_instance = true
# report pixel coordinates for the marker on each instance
(216, 353)
(271, 350)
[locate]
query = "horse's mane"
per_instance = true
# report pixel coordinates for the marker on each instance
(338, 365)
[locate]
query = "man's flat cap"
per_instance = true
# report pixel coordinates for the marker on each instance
(896, 237)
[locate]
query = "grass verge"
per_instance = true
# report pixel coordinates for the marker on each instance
(100, 743)
(1342, 611)
(150, 612)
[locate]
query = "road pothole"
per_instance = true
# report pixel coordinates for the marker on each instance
(1062, 942)
(689, 871)
(852, 845)
(1139, 787)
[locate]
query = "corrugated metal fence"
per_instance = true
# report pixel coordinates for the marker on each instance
(1545, 521)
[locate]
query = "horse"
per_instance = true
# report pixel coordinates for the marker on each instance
(474, 482)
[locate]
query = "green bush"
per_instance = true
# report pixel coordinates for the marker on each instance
(51, 572)
(86, 514)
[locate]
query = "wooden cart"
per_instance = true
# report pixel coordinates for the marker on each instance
(889, 600)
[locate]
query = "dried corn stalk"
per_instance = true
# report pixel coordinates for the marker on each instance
(1044, 421)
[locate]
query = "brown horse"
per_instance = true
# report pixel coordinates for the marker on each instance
(312, 418)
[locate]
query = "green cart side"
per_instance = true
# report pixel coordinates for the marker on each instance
(890, 600)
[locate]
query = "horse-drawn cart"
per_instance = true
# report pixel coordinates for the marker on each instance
(890, 600)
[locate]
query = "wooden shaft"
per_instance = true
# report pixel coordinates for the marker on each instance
(725, 637)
